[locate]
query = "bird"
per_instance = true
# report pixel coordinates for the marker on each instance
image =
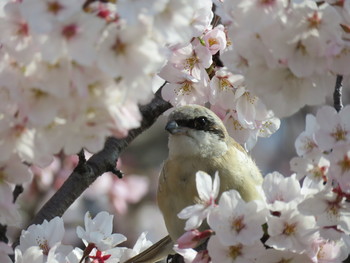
(198, 140)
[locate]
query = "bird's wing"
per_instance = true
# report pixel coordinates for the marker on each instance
(154, 253)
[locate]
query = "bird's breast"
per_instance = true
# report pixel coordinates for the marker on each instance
(177, 183)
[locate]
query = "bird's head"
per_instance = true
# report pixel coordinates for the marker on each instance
(196, 130)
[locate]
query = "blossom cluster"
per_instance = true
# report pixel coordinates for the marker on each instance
(74, 72)
(291, 223)
(288, 51)
(43, 243)
(194, 76)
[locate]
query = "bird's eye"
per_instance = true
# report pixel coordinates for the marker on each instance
(200, 122)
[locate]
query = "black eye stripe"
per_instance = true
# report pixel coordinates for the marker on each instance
(201, 123)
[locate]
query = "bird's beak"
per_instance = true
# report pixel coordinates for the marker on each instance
(173, 128)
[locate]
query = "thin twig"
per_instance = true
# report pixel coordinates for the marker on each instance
(337, 95)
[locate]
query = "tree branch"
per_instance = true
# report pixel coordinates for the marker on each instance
(337, 94)
(104, 161)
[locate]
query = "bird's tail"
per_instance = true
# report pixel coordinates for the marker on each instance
(154, 253)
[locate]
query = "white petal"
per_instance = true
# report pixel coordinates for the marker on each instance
(204, 185)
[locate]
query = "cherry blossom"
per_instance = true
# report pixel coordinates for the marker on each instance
(123, 48)
(340, 166)
(73, 73)
(185, 90)
(306, 143)
(280, 191)
(282, 85)
(315, 169)
(308, 40)
(328, 251)
(263, 12)
(331, 210)
(19, 43)
(291, 230)
(75, 37)
(234, 253)
(296, 70)
(250, 109)
(46, 238)
(17, 138)
(334, 127)
(243, 134)
(141, 244)
(98, 231)
(223, 86)
(208, 190)
(172, 21)
(215, 39)
(202, 17)
(32, 254)
(192, 238)
(277, 256)
(43, 15)
(234, 220)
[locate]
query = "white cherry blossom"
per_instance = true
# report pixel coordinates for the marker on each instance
(276, 85)
(215, 39)
(43, 15)
(124, 48)
(331, 210)
(278, 256)
(291, 230)
(46, 238)
(340, 166)
(223, 86)
(98, 230)
(16, 37)
(334, 127)
(172, 21)
(184, 89)
(305, 143)
(280, 190)
(32, 254)
(236, 253)
(235, 221)
(208, 190)
(315, 168)
(141, 244)
(76, 37)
